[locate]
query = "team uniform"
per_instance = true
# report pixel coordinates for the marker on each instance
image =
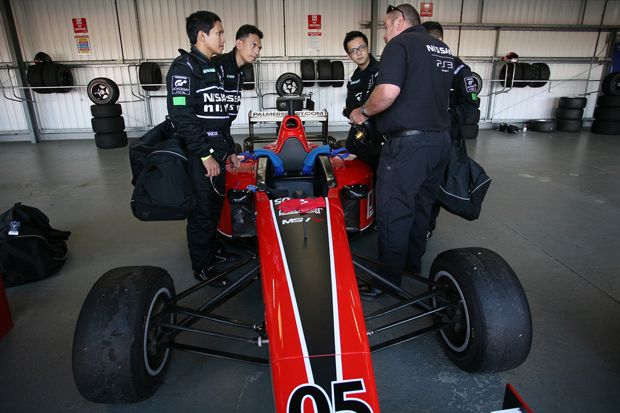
(359, 89)
(413, 161)
(198, 107)
(233, 80)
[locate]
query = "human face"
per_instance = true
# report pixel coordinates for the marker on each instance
(213, 43)
(248, 49)
(357, 50)
(392, 25)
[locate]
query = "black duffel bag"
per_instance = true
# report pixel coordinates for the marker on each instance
(30, 249)
(465, 184)
(163, 190)
(141, 148)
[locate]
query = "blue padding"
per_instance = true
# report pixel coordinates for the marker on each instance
(278, 166)
(311, 158)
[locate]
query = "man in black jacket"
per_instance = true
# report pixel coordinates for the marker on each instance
(360, 86)
(247, 49)
(464, 102)
(198, 110)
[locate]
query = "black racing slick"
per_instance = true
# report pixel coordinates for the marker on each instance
(233, 80)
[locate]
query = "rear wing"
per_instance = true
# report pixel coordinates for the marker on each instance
(277, 116)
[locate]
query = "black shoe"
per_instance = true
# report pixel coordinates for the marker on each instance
(225, 257)
(209, 274)
(367, 291)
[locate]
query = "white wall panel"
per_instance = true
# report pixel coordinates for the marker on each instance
(45, 25)
(271, 22)
(5, 56)
(533, 11)
(552, 44)
(12, 117)
(336, 20)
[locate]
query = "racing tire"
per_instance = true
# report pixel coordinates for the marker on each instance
(542, 125)
(34, 76)
(608, 101)
(108, 125)
(248, 77)
(478, 81)
(491, 328)
(289, 84)
(527, 73)
(149, 73)
(111, 140)
(248, 144)
(55, 74)
(470, 131)
(308, 72)
(337, 73)
(102, 91)
(611, 84)
(506, 74)
(120, 354)
(106, 111)
(570, 114)
(569, 125)
(540, 71)
(605, 127)
(324, 70)
(605, 113)
(572, 103)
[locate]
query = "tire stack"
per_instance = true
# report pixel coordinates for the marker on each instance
(49, 74)
(327, 73)
(533, 75)
(607, 111)
(149, 75)
(107, 122)
(569, 113)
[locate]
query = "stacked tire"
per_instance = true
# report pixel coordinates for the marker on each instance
(41, 76)
(533, 75)
(326, 72)
(107, 122)
(569, 113)
(607, 111)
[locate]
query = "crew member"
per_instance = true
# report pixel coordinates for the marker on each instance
(410, 102)
(463, 102)
(359, 88)
(247, 49)
(197, 109)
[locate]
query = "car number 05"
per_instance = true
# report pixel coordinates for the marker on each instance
(340, 400)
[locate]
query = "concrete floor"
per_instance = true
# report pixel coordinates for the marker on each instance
(553, 212)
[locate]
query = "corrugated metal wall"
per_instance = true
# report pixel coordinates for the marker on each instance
(154, 30)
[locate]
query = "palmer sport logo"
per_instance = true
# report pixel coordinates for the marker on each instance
(180, 85)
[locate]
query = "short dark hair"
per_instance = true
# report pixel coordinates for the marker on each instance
(352, 35)
(246, 30)
(410, 14)
(434, 29)
(200, 21)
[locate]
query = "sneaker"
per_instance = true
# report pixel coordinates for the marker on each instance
(209, 274)
(225, 257)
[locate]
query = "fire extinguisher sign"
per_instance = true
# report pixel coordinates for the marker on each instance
(314, 22)
(426, 9)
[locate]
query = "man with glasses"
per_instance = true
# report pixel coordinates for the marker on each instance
(359, 88)
(410, 105)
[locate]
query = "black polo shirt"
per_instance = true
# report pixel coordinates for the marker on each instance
(422, 67)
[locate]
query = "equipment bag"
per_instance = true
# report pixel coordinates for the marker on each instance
(141, 148)
(30, 249)
(465, 184)
(164, 190)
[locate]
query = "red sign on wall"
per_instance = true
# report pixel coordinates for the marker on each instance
(79, 25)
(426, 9)
(314, 22)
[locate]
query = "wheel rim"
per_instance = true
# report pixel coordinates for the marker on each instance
(289, 86)
(155, 354)
(458, 334)
(100, 91)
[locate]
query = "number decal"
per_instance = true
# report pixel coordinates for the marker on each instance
(340, 401)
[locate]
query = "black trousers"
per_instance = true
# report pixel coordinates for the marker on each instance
(202, 223)
(408, 177)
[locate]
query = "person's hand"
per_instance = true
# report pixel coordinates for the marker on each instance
(212, 167)
(234, 161)
(356, 117)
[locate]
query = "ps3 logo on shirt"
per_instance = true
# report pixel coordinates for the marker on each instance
(180, 85)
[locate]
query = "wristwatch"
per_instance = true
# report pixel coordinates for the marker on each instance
(363, 111)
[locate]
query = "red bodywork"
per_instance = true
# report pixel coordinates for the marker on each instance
(319, 352)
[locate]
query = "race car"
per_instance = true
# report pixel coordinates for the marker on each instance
(301, 200)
